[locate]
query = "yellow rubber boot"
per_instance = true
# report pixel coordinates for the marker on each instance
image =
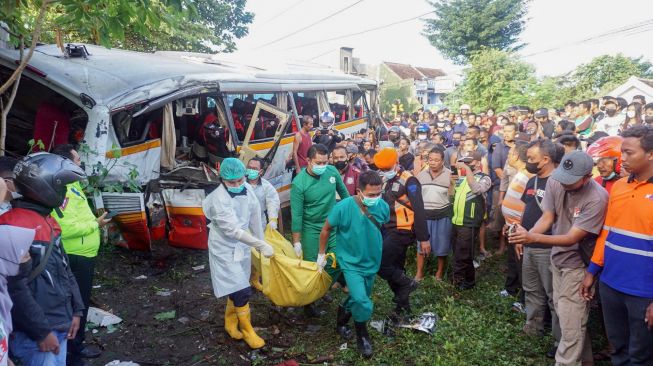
(231, 321)
(245, 322)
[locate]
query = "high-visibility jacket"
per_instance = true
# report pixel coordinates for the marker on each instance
(468, 207)
(624, 249)
(80, 233)
(403, 194)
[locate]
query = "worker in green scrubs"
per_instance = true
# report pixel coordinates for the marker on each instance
(357, 222)
(312, 196)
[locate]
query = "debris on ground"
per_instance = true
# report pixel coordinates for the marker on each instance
(166, 315)
(424, 323)
(101, 317)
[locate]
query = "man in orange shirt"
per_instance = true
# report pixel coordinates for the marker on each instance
(624, 255)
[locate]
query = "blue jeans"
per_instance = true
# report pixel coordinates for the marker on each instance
(27, 350)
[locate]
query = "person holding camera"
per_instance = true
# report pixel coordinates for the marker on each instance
(327, 135)
(468, 215)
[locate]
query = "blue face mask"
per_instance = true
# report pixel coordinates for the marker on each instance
(371, 201)
(252, 174)
(611, 176)
(319, 169)
(236, 190)
(388, 175)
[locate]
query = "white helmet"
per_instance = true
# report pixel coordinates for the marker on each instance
(465, 106)
(327, 119)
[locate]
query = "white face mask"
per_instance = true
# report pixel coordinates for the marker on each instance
(631, 114)
(16, 195)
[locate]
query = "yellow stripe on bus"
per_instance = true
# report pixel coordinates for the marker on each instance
(287, 140)
(136, 148)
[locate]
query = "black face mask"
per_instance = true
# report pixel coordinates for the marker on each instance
(533, 168)
(648, 119)
(610, 112)
(340, 165)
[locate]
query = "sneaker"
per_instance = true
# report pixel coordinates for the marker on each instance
(519, 307)
(504, 293)
(476, 264)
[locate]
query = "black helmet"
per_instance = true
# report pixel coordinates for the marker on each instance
(42, 177)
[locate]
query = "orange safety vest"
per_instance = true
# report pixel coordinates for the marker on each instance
(402, 216)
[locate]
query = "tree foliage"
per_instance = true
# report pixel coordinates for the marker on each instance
(604, 73)
(142, 25)
(463, 27)
(495, 79)
(500, 79)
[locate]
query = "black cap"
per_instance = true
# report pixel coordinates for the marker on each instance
(542, 112)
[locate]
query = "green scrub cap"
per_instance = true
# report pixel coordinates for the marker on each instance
(232, 168)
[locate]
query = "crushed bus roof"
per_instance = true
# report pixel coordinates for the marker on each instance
(116, 77)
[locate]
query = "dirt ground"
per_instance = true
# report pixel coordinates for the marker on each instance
(195, 336)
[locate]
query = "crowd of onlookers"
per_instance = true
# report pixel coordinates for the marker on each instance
(567, 194)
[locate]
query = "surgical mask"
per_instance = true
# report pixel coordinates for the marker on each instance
(319, 169)
(371, 201)
(630, 114)
(16, 196)
(388, 175)
(533, 168)
(340, 165)
(421, 137)
(611, 112)
(252, 174)
(236, 190)
(611, 176)
(447, 128)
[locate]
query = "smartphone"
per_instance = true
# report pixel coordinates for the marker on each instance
(111, 214)
(454, 170)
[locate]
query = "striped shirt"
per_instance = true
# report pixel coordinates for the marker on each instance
(624, 249)
(435, 193)
(512, 206)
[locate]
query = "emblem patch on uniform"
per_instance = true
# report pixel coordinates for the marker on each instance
(649, 196)
(576, 212)
(395, 187)
(350, 180)
(332, 180)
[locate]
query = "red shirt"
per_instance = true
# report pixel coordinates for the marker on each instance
(607, 184)
(351, 179)
(304, 145)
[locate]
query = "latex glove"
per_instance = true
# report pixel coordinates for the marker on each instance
(321, 262)
(266, 249)
(273, 224)
(298, 249)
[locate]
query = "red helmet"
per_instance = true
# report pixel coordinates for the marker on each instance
(607, 147)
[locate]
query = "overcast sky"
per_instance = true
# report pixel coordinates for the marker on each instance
(551, 24)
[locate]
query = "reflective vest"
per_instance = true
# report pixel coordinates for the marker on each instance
(401, 210)
(468, 207)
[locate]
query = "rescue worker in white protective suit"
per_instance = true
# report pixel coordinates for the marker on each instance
(235, 226)
(267, 195)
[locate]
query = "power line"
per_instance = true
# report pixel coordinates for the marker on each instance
(322, 54)
(629, 29)
(356, 33)
(310, 25)
(282, 12)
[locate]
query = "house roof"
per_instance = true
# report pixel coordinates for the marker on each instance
(430, 73)
(404, 71)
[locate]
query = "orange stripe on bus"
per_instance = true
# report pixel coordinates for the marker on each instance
(287, 140)
(193, 211)
(136, 148)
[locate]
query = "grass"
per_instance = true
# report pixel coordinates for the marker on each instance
(476, 327)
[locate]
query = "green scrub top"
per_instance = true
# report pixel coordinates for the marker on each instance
(311, 200)
(358, 240)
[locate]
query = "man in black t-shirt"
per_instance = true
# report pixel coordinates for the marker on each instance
(537, 280)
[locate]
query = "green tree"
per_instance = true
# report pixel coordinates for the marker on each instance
(605, 73)
(101, 20)
(495, 79)
(463, 27)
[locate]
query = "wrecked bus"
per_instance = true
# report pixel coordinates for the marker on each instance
(153, 128)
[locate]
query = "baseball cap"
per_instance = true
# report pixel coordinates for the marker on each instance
(542, 112)
(352, 149)
(574, 166)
